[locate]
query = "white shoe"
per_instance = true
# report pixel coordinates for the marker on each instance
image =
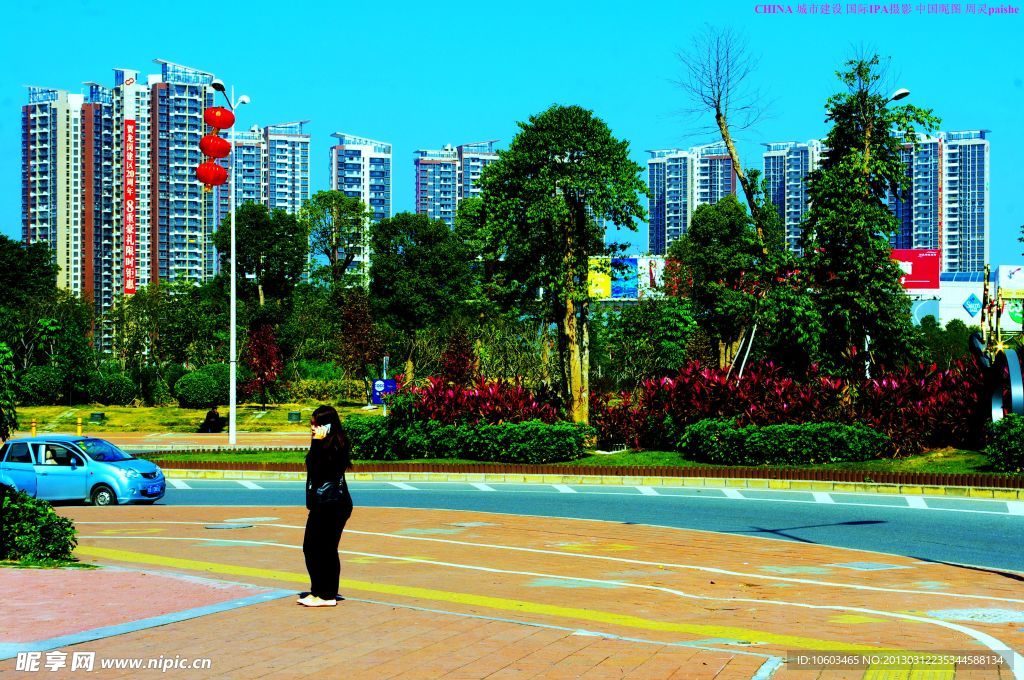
(314, 601)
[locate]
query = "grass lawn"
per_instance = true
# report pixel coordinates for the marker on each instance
(950, 461)
(251, 418)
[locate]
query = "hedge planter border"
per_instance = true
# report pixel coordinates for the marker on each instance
(860, 477)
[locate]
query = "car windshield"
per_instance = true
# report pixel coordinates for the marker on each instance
(102, 451)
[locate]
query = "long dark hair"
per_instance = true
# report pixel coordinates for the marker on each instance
(335, 446)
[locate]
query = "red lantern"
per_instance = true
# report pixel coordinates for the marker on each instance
(215, 146)
(219, 117)
(211, 174)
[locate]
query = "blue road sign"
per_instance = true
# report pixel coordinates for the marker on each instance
(382, 387)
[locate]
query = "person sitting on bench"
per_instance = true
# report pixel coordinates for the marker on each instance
(214, 422)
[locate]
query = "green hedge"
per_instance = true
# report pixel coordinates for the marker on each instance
(1006, 444)
(531, 442)
(31, 530)
(721, 442)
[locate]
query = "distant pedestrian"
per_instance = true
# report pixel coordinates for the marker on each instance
(214, 423)
(329, 504)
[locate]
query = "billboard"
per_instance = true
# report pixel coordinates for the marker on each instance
(128, 242)
(599, 278)
(1011, 281)
(651, 271)
(920, 268)
(625, 285)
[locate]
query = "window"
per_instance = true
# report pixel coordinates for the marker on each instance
(17, 452)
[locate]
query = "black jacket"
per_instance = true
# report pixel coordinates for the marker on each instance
(321, 468)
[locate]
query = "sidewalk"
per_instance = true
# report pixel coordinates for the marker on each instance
(463, 595)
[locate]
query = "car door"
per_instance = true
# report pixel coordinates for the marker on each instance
(62, 474)
(17, 468)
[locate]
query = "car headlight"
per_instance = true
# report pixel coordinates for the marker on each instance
(128, 473)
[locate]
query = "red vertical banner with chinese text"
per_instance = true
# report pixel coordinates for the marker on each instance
(129, 241)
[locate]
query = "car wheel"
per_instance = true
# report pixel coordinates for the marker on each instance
(103, 495)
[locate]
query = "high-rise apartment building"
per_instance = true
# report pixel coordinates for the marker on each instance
(437, 183)
(786, 166)
(250, 151)
(947, 204)
(51, 180)
(272, 169)
(108, 181)
(446, 176)
(183, 217)
(361, 168)
(287, 171)
(680, 181)
(945, 207)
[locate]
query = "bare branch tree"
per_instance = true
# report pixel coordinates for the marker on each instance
(716, 72)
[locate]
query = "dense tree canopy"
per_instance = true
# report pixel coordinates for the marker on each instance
(856, 284)
(547, 201)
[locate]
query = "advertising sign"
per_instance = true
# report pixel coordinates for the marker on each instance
(1011, 281)
(624, 278)
(651, 272)
(920, 268)
(599, 278)
(129, 242)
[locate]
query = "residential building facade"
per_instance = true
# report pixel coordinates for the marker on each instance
(361, 168)
(680, 181)
(786, 166)
(446, 176)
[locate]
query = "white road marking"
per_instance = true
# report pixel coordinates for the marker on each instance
(822, 497)
(562, 488)
(1015, 507)
(483, 487)
(734, 493)
(917, 502)
(178, 484)
(403, 486)
(248, 485)
(607, 558)
(647, 491)
(1014, 660)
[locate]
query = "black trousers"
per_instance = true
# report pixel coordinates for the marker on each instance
(320, 547)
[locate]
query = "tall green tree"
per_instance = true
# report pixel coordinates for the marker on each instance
(419, 275)
(547, 200)
(717, 260)
(271, 246)
(338, 228)
(856, 284)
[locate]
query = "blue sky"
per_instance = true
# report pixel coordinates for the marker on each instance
(421, 74)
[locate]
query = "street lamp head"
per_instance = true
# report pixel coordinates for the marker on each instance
(899, 94)
(217, 84)
(244, 99)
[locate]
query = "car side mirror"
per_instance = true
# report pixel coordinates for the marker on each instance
(74, 463)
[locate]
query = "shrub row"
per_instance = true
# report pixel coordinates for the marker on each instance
(30, 529)
(914, 407)
(486, 401)
(723, 442)
(530, 442)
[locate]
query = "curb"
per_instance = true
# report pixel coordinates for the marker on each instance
(609, 480)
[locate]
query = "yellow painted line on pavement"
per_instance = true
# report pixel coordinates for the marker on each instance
(504, 604)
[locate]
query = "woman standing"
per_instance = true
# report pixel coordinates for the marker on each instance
(329, 505)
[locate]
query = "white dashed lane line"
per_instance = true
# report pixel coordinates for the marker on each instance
(562, 488)
(249, 485)
(178, 484)
(403, 486)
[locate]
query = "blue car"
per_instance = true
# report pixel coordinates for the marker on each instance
(67, 468)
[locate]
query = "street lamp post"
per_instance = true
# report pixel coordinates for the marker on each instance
(233, 358)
